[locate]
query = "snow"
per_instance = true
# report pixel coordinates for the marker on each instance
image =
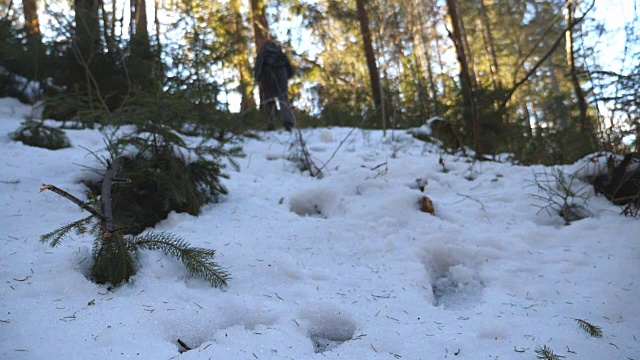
(343, 267)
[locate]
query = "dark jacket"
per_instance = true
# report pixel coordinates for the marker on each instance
(273, 70)
(271, 56)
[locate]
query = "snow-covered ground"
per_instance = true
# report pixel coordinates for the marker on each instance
(363, 275)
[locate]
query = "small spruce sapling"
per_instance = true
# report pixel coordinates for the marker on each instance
(114, 252)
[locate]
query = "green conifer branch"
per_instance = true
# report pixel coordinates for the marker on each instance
(198, 261)
(114, 262)
(544, 353)
(593, 330)
(55, 237)
(97, 244)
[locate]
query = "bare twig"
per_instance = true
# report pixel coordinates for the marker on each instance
(9, 6)
(472, 199)
(71, 198)
(91, 80)
(338, 148)
(543, 36)
(560, 195)
(377, 167)
(314, 171)
(545, 57)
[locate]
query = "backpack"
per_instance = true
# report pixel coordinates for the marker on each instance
(271, 56)
(274, 57)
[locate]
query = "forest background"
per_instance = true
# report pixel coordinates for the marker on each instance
(535, 79)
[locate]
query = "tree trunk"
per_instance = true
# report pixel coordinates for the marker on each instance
(86, 45)
(114, 17)
(139, 18)
(142, 59)
(384, 85)
(87, 35)
(585, 124)
(34, 38)
(423, 62)
(443, 81)
(260, 25)
(159, 66)
(563, 121)
(490, 45)
(30, 8)
(434, 107)
(374, 77)
(107, 30)
(527, 119)
(241, 58)
(465, 75)
(424, 98)
(260, 31)
(467, 50)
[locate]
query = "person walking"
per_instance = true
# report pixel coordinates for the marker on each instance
(272, 73)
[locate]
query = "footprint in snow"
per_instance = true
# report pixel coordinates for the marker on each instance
(328, 327)
(455, 280)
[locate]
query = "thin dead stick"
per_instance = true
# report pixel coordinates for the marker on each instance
(470, 198)
(314, 171)
(72, 198)
(338, 148)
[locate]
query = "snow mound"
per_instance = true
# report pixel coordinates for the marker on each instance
(321, 202)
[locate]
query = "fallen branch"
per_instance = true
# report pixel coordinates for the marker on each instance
(107, 183)
(72, 198)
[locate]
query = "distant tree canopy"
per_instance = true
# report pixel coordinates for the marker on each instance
(514, 76)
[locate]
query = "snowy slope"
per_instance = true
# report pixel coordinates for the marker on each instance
(363, 275)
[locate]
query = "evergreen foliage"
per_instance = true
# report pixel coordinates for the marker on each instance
(533, 103)
(114, 253)
(340, 114)
(545, 353)
(36, 133)
(113, 259)
(55, 237)
(442, 131)
(21, 56)
(162, 110)
(593, 330)
(165, 174)
(554, 146)
(65, 107)
(198, 261)
(496, 134)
